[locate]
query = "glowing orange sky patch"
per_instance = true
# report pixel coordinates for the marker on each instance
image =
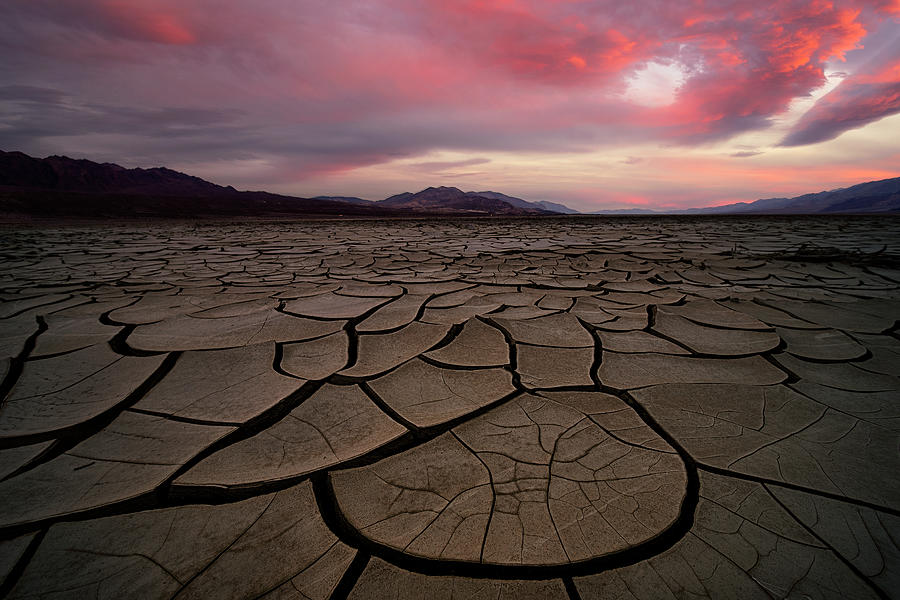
(167, 29)
(157, 26)
(576, 61)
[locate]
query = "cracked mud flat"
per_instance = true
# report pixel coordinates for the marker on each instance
(571, 408)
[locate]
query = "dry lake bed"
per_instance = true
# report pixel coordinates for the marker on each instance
(549, 408)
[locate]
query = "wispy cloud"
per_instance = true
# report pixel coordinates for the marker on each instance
(434, 166)
(868, 95)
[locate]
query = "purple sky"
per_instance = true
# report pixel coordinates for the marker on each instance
(597, 104)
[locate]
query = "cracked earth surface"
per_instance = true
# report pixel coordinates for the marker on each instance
(570, 408)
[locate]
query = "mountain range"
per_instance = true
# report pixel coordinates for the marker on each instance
(62, 187)
(439, 199)
(58, 186)
(871, 197)
(881, 196)
(450, 199)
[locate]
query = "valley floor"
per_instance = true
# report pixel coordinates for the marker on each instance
(541, 408)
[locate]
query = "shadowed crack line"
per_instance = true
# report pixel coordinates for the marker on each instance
(799, 488)
(452, 367)
(37, 306)
(853, 568)
(451, 335)
(351, 576)
(12, 578)
(388, 409)
(571, 589)
(146, 501)
(68, 437)
(226, 548)
(792, 377)
(119, 343)
(58, 354)
(179, 419)
(17, 363)
(487, 527)
(249, 428)
(513, 357)
(276, 362)
(353, 336)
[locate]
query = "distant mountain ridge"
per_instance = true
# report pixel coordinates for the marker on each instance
(80, 175)
(58, 186)
(881, 196)
(442, 199)
(539, 204)
(872, 196)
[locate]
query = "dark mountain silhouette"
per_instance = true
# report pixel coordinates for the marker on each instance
(397, 198)
(869, 197)
(58, 186)
(79, 175)
(538, 204)
(451, 199)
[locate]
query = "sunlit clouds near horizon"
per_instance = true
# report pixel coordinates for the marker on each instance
(596, 104)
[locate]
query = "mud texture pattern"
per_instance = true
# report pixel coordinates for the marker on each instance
(559, 408)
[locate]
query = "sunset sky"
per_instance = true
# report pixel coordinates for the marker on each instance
(593, 103)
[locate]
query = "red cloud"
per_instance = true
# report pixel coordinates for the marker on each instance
(530, 41)
(855, 102)
(744, 61)
(888, 6)
(866, 96)
(144, 21)
(753, 65)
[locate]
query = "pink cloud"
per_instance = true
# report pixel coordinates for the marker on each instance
(546, 43)
(786, 177)
(753, 64)
(156, 24)
(865, 96)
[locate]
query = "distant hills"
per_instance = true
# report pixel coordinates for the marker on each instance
(451, 199)
(440, 199)
(539, 205)
(871, 197)
(62, 187)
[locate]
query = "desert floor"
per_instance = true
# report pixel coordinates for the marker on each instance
(548, 408)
